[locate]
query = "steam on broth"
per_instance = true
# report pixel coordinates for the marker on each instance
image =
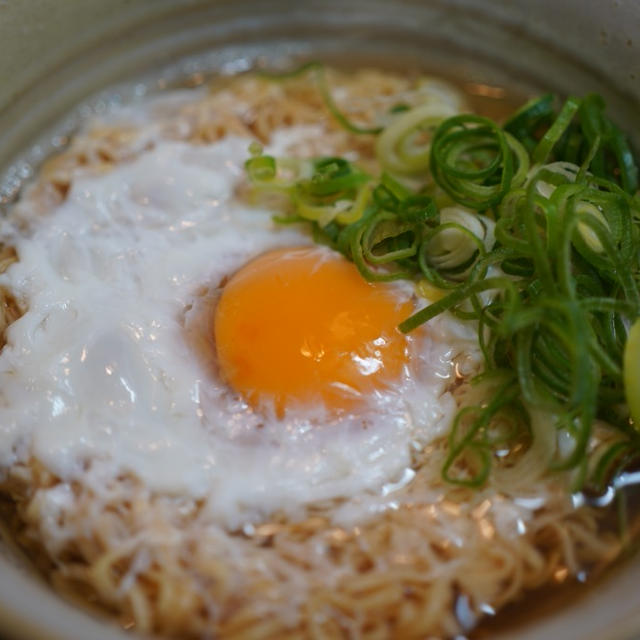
(160, 462)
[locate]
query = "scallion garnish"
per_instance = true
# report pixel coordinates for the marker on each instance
(531, 230)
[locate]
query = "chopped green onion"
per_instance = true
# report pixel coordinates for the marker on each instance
(261, 168)
(404, 146)
(542, 151)
(473, 160)
(531, 231)
(526, 122)
(632, 372)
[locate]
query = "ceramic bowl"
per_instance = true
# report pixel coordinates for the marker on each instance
(55, 54)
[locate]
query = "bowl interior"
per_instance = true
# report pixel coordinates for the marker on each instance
(69, 52)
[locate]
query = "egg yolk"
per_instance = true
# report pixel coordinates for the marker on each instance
(300, 325)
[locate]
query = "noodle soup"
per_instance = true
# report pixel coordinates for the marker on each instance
(161, 463)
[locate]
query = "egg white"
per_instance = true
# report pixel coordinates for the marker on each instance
(112, 368)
